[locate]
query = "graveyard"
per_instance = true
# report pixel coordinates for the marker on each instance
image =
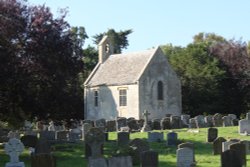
(163, 150)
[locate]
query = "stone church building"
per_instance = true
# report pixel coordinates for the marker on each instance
(124, 85)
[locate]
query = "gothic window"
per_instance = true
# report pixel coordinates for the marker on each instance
(96, 98)
(123, 97)
(160, 90)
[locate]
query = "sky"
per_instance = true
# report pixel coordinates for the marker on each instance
(157, 22)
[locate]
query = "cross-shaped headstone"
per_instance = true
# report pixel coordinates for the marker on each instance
(145, 127)
(14, 148)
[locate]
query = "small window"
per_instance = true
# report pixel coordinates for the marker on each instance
(96, 98)
(160, 90)
(123, 97)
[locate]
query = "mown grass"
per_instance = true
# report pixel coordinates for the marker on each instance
(72, 155)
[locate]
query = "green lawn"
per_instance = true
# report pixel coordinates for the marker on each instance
(72, 155)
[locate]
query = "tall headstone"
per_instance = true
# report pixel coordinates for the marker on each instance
(156, 125)
(14, 148)
(95, 139)
(138, 146)
(172, 139)
(122, 138)
(176, 122)
(244, 125)
(200, 122)
(188, 145)
(149, 159)
(241, 152)
(124, 161)
(146, 127)
(230, 158)
(217, 145)
(111, 126)
(212, 134)
(121, 122)
(184, 157)
(85, 128)
(192, 123)
(29, 140)
(217, 120)
(42, 147)
(185, 119)
(133, 125)
(227, 121)
(209, 120)
(247, 144)
(165, 123)
(226, 144)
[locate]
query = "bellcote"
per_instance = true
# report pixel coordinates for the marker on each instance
(105, 49)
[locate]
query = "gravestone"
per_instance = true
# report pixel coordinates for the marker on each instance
(14, 148)
(145, 127)
(241, 152)
(217, 145)
(95, 139)
(155, 136)
(244, 125)
(184, 157)
(122, 138)
(101, 123)
(42, 160)
(235, 122)
(123, 161)
(227, 121)
(212, 134)
(120, 122)
(172, 139)
(138, 146)
(233, 116)
(29, 140)
(156, 125)
(165, 123)
(200, 122)
(192, 123)
(85, 128)
(209, 120)
(247, 144)
(230, 158)
(133, 125)
(175, 122)
(188, 145)
(226, 144)
(149, 159)
(111, 126)
(217, 120)
(97, 162)
(51, 126)
(185, 119)
(62, 135)
(42, 147)
(141, 123)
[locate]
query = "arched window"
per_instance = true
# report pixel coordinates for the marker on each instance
(160, 90)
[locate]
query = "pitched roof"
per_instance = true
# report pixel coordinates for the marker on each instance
(120, 69)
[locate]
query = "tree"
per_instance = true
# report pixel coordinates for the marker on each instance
(41, 58)
(119, 40)
(90, 60)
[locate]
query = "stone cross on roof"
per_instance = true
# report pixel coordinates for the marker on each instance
(14, 148)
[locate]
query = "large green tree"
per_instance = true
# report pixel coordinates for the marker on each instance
(40, 61)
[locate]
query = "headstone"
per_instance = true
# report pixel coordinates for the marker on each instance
(42, 147)
(217, 145)
(95, 138)
(192, 123)
(247, 144)
(42, 160)
(138, 146)
(241, 152)
(13, 134)
(217, 120)
(124, 129)
(209, 120)
(146, 127)
(51, 126)
(156, 125)
(111, 126)
(233, 116)
(248, 116)
(149, 159)
(227, 121)
(85, 128)
(244, 125)
(155, 136)
(165, 123)
(185, 119)
(121, 122)
(230, 158)
(62, 135)
(14, 148)
(101, 123)
(188, 145)
(235, 122)
(184, 157)
(124, 161)
(172, 139)
(200, 122)
(141, 123)
(29, 140)
(226, 144)
(49, 135)
(97, 162)
(122, 138)
(212, 134)
(133, 125)
(75, 134)
(175, 122)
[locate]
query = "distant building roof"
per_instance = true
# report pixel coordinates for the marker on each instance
(120, 69)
